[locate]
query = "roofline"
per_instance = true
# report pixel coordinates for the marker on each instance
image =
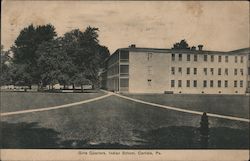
(165, 50)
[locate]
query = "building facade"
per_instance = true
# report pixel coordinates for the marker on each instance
(150, 70)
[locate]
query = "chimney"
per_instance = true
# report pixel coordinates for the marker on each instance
(193, 48)
(200, 47)
(132, 46)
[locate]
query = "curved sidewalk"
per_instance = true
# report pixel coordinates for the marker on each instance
(55, 107)
(183, 110)
(128, 98)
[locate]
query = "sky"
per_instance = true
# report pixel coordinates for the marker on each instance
(220, 26)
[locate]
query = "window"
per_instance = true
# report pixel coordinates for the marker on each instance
(172, 83)
(212, 71)
(241, 59)
(188, 70)
(188, 57)
(205, 71)
(124, 69)
(219, 71)
(248, 70)
(204, 83)
(211, 83)
(226, 83)
(226, 59)
(241, 83)
(179, 83)
(235, 71)
(205, 57)
(180, 70)
(188, 83)
(150, 70)
(241, 71)
(212, 58)
(180, 57)
(173, 57)
(219, 83)
(195, 71)
(226, 71)
(173, 70)
(150, 55)
(149, 82)
(124, 82)
(219, 58)
(248, 83)
(195, 83)
(124, 56)
(235, 83)
(195, 57)
(235, 59)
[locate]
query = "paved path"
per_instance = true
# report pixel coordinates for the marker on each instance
(182, 110)
(124, 97)
(55, 107)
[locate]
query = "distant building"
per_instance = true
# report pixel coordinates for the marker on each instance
(150, 70)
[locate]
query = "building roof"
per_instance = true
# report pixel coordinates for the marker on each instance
(161, 50)
(170, 51)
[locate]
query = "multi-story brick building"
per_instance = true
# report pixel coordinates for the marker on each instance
(150, 70)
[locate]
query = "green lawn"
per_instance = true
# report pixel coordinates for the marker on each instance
(14, 101)
(114, 122)
(232, 105)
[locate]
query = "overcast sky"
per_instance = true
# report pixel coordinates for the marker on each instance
(217, 25)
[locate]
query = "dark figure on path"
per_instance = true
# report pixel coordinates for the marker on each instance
(204, 131)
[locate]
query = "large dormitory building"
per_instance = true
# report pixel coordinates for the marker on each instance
(150, 70)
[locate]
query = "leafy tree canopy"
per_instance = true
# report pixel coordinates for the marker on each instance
(40, 57)
(181, 45)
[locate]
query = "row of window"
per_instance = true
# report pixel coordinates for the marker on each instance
(206, 58)
(206, 71)
(206, 83)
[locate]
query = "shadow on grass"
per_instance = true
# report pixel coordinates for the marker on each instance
(27, 135)
(184, 137)
(30, 135)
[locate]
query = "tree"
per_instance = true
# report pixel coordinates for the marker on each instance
(181, 45)
(5, 67)
(104, 54)
(86, 53)
(41, 58)
(54, 64)
(25, 48)
(94, 54)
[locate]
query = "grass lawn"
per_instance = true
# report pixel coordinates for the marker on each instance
(114, 122)
(232, 105)
(15, 101)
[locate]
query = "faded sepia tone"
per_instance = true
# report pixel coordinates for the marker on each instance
(117, 80)
(222, 26)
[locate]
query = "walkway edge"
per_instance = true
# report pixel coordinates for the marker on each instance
(184, 110)
(55, 107)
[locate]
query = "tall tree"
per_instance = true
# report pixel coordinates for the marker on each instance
(25, 48)
(181, 45)
(91, 57)
(86, 53)
(5, 66)
(54, 64)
